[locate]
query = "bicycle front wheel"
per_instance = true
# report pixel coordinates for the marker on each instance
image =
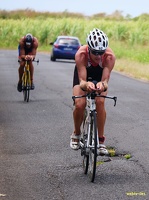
(27, 93)
(93, 147)
(28, 86)
(84, 131)
(24, 86)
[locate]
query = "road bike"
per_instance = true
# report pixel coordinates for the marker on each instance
(89, 141)
(26, 80)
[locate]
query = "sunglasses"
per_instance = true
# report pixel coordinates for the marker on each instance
(97, 53)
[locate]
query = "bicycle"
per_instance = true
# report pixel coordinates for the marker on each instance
(26, 80)
(89, 141)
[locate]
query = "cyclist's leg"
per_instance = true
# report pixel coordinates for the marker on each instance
(78, 112)
(101, 118)
(20, 71)
(78, 115)
(79, 108)
(31, 67)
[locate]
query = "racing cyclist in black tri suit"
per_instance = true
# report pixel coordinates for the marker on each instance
(27, 51)
(94, 61)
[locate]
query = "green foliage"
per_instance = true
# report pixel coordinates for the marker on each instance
(28, 13)
(128, 38)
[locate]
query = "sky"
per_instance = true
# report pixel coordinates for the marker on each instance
(86, 7)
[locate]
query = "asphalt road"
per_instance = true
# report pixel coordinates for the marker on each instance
(36, 162)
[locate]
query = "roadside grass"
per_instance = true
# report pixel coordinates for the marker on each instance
(133, 69)
(128, 39)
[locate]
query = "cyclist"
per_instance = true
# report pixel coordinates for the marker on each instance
(94, 61)
(27, 51)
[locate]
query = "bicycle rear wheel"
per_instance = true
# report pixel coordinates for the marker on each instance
(93, 149)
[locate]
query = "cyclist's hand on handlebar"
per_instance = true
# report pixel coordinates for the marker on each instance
(101, 86)
(90, 86)
(87, 86)
(29, 57)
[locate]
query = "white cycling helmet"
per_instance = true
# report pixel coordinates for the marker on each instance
(97, 40)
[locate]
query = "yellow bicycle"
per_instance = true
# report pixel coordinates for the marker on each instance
(26, 81)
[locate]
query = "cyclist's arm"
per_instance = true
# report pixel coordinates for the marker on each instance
(108, 65)
(22, 50)
(81, 62)
(34, 49)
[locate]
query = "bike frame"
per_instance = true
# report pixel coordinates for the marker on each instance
(90, 108)
(26, 80)
(26, 75)
(90, 144)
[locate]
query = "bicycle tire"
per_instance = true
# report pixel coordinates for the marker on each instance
(84, 132)
(85, 156)
(24, 86)
(28, 85)
(93, 151)
(25, 93)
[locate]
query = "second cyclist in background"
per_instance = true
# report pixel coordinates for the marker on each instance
(94, 61)
(27, 51)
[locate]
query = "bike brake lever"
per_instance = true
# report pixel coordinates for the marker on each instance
(115, 100)
(37, 61)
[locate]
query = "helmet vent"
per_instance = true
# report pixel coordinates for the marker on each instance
(99, 39)
(104, 43)
(96, 43)
(92, 44)
(94, 37)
